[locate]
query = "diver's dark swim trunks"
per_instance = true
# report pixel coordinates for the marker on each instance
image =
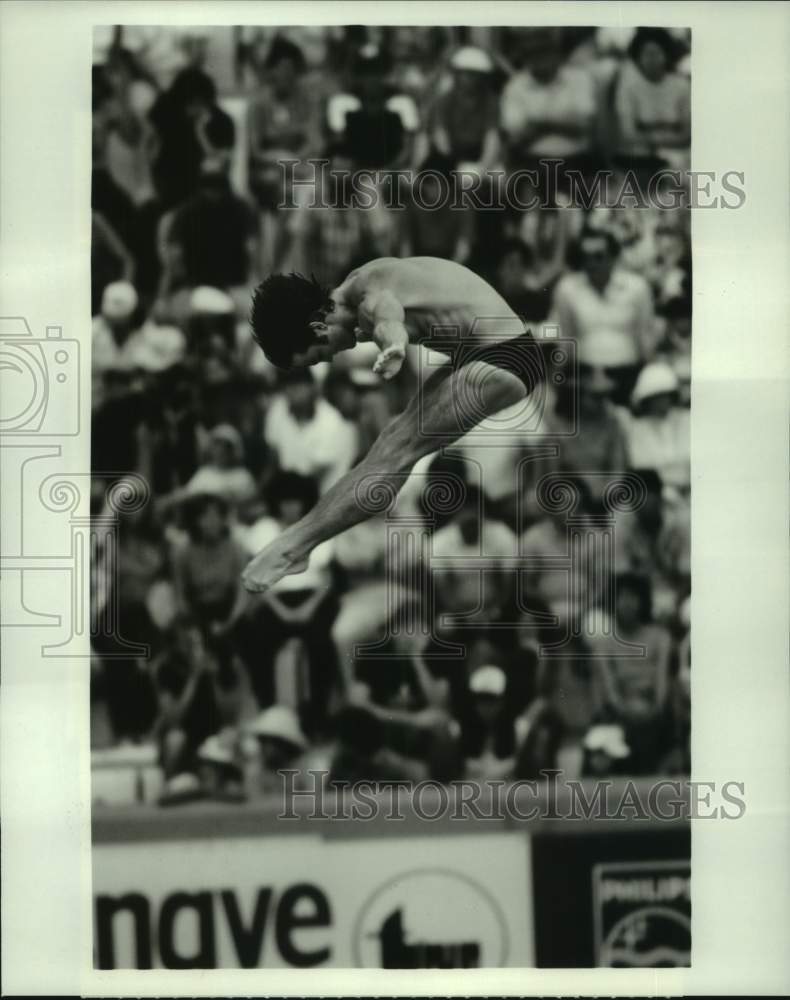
(522, 356)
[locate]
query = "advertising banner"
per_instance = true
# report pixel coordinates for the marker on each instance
(460, 901)
(642, 914)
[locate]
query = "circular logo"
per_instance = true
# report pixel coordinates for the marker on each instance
(653, 936)
(430, 918)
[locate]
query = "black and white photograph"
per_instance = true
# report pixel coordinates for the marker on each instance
(394, 419)
(409, 424)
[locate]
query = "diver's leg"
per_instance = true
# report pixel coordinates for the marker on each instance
(449, 404)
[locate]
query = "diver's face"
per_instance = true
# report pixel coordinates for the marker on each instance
(332, 333)
(312, 356)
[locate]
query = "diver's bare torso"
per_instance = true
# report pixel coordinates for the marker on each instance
(440, 299)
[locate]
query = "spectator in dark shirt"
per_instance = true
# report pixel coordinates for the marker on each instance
(375, 134)
(444, 231)
(514, 262)
(491, 734)
(189, 127)
(184, 675)
(406, 709)
(212, 238)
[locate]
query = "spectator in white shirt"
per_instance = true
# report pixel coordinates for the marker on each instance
(120, 344)
(652, 105)
(307, 433)
(657, 431)
(607, 311)
(548, 108)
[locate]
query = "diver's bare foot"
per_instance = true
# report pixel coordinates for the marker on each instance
(272, 564)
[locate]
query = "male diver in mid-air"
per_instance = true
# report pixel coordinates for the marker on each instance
(492, 363)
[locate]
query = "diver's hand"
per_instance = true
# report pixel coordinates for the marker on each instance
(390, 361)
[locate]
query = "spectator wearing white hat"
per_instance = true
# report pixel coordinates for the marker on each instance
(205, 300)
(488, 733)
(113, 327)
(280, 743)
(657, 429)
(605, 751)
(462, 122)
(221, 767)
(224, 473)
(120, 344)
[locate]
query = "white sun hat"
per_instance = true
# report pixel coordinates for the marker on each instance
(279, 722)
(119, 300)
(655, 379)
(471, 59)
(488, 680)
(213, 301)
(609, 740)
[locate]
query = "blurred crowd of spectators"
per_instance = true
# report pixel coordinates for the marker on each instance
(189, 129)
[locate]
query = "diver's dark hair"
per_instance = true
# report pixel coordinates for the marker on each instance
(283, 307)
